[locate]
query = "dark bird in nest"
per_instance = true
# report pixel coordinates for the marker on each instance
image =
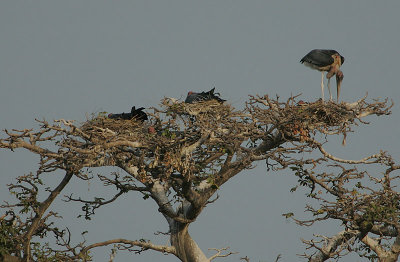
(328, 61)
(135, 114)
(193, 97)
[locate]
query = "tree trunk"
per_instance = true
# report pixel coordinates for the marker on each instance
(187, 249)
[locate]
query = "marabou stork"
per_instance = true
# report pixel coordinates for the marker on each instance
(326, 61)
(135, 114)
(193, 97)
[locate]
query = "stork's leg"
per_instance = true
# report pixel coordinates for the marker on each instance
(339, 78)
(322, 85)
(329, 89)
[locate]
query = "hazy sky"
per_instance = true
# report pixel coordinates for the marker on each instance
(68, 59)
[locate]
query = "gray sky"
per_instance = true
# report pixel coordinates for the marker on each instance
(67, 59)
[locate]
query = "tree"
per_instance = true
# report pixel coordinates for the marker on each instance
(182, 155)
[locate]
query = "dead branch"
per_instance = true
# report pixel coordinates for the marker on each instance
(219, 253)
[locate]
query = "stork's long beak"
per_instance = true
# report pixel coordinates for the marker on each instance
(339, 79)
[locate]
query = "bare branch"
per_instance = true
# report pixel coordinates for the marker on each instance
(333, 246)
(219, 253)
(128, 244)
(374, 245)
(376, 158)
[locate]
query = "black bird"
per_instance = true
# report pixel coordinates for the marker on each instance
(326, 61)
(135, 114)
(193, 97)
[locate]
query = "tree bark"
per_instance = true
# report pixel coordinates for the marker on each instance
(187, 249)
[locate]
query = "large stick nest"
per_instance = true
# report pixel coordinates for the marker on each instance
(105, 127)
(294, 118)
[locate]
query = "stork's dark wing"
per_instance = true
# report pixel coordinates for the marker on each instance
(138, 114)
(191, 98)
(135, 114)
(203, 96)
(125, 116)
(319, 57)
(210, 95)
